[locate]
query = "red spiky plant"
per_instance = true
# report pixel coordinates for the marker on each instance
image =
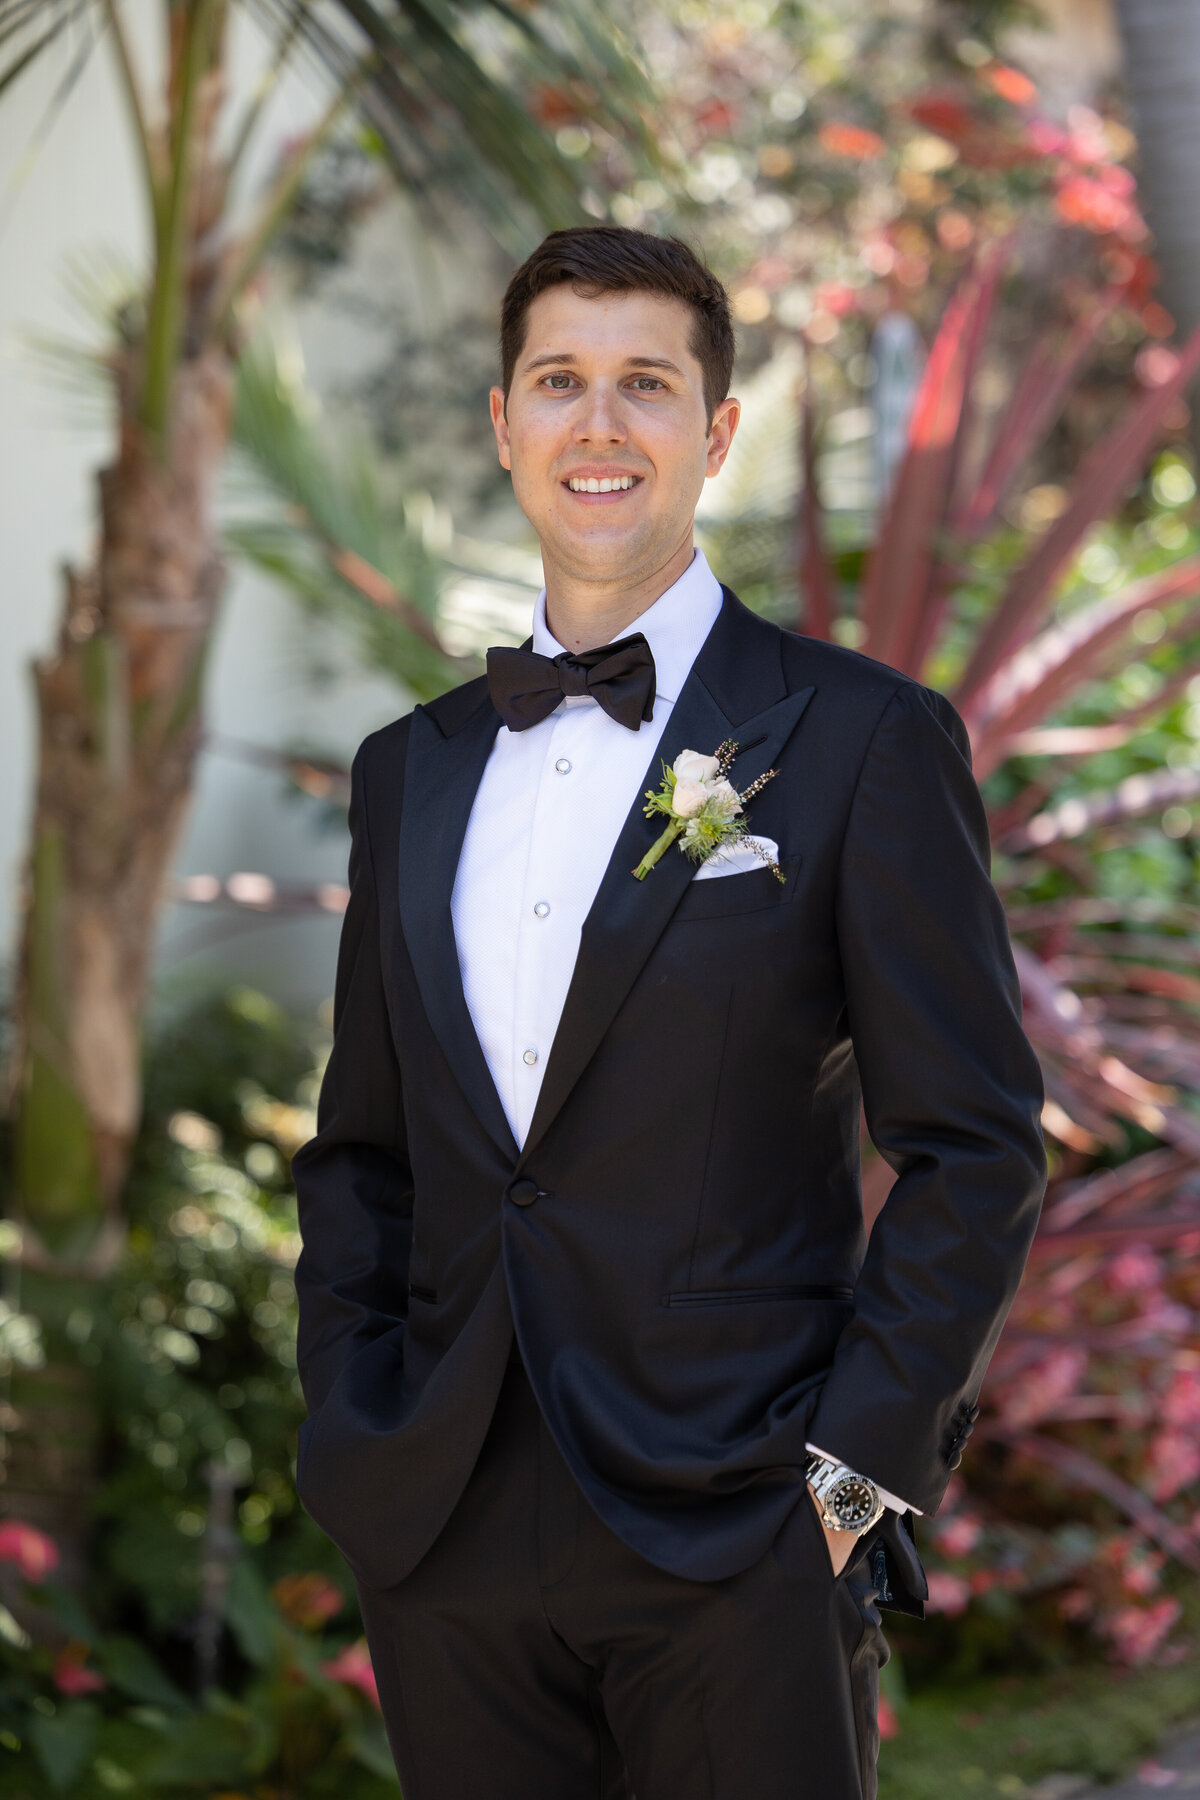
(1082, 1481)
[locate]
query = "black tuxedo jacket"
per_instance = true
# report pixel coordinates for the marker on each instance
(679, 1243)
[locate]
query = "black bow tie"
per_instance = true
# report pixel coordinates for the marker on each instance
(526, 687)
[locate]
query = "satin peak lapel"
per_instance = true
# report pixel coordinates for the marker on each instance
(441, 775)
(628, 916)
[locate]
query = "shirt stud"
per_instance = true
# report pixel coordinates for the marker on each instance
(563, 765)
(529, 1057)
(542, 908)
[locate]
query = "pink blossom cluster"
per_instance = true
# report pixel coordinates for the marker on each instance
(1090, 1428)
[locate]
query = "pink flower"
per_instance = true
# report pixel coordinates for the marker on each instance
(69, 1674)
(1134, 1270)
(1155, 364)
(1087, 144)
(1141, 1572)
(959, 1536)
(948, 1593)
(33, 1552)
(1046, 139)
(1083, 200)
(1174, 1463)
(885, 1713)
(1181, 1402)
(1044, 1386)
(836, 297)
(1137, 1631)
(353, 1667)
(1152, 1774)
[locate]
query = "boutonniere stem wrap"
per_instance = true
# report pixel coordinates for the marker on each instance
(704, 808)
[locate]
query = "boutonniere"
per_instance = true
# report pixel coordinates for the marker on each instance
(703, 807)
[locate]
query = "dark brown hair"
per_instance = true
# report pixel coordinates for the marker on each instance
(612, 259)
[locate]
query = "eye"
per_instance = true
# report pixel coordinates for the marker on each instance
(555, 379)
(640, 380)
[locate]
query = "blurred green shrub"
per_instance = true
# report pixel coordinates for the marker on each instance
(215, 1648)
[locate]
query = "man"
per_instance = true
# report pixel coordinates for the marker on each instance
(614, 1415)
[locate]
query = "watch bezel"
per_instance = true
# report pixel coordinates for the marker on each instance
(850, 1478)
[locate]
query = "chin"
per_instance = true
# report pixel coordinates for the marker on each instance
(602, 555)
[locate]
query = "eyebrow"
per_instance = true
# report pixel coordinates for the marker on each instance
(631, 362)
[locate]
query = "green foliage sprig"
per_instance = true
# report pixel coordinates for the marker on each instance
(705, 819)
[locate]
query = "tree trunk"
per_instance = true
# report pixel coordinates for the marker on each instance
(119, 717)
(119, 729)
(1162, 74)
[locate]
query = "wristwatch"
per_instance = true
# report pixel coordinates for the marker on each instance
(849, 1501)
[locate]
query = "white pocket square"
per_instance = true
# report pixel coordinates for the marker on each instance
(738, 859)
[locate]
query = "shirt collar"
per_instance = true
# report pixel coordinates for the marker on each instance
(674, 627)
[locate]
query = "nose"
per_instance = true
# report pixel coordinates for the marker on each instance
(599, 417)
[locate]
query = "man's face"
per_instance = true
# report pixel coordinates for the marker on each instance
(606, 389)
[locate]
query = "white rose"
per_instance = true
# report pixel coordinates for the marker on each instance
(690, 766)
(687, 797)
(725, 796)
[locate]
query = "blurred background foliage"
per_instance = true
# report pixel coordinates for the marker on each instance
(968, 449)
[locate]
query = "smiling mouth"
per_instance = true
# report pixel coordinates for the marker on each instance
(602, 488)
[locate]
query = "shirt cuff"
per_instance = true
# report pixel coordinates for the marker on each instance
(888, 1499)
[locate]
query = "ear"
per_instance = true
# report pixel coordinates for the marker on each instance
(720, 435)
(500, 426)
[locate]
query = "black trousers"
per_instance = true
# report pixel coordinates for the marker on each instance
(531, 1655)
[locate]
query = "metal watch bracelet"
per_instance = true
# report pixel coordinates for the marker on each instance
(849, 1501)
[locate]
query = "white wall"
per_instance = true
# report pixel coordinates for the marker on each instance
(82, 193)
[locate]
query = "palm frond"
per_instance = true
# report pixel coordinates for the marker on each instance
(1134, 798)
(1041, 389)
(897, 590)
(331, 532)
(134, 100)
(1033, 684)
(1104, 477)
(816, 584)
(448, 95)
(62, 15)
(15, 17)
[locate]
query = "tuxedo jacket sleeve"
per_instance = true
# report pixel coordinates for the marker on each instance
(951, 1094)
(354, 1185)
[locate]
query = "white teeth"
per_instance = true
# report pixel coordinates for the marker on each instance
(603, 487)
(579, 484)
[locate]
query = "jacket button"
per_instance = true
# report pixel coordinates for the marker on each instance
(954, 1458)
(523, 1192)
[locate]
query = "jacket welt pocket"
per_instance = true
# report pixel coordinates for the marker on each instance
(751, 890)
(417, 1292)
(740, 1296)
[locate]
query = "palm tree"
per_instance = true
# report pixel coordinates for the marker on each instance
(120, 694)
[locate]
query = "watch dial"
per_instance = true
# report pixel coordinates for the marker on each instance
(851, 1501)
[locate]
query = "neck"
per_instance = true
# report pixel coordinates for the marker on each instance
(583, 614)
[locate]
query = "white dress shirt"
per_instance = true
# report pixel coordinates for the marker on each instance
(547, 812)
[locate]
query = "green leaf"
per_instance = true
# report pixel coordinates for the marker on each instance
(68, 1610)
(369, 1744)
(251, 1616)
(64, 1741)
(130, 1667)
(207, 1748)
